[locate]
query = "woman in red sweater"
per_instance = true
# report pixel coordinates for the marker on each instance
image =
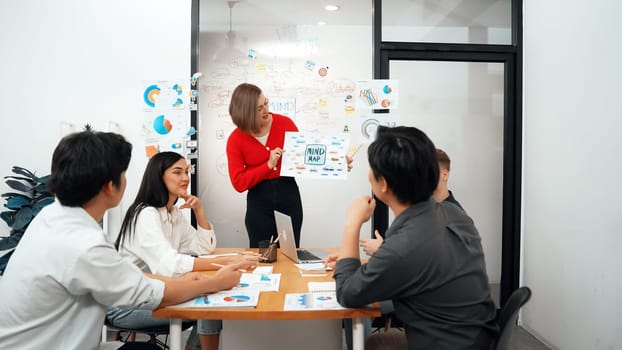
(254, 151)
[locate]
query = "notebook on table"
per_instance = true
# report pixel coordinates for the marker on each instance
(285, 230)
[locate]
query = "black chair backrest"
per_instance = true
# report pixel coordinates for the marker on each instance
(139, 346)
(509, 314)
(151, 331)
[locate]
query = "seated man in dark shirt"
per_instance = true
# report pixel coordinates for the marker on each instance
(440, 194)
(431, 264)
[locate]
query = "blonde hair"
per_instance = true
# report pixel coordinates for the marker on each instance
(243, 107)
(443, 159)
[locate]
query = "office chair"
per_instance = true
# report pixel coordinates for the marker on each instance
(139, 346)
(508, 315)
(389, 340)
(385, 322)
(388, 319)
(152, 332)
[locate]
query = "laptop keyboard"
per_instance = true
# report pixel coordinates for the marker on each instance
(307, 255)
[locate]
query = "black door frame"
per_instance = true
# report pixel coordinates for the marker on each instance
(194, 67)
(511, 57)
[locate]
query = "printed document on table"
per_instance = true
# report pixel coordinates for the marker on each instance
(312, 266)
(229, 298)
(322, 286)
(261, 282)
(311, 301)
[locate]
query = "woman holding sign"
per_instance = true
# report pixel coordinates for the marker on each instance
(254, 152)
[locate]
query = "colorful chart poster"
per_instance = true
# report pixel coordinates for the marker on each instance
(370, 123)
(165, 131)
(167, 94)
(377, 94)
(314, 155)
(311, 301)
(230, 298)
(167, 117)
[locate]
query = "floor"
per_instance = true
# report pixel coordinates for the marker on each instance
(521, 339)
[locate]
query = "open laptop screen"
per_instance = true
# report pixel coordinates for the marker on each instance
(285, 232)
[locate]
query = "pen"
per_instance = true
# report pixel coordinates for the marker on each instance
(221, 265)
(277, 238)
(248, 253)
(354, 149)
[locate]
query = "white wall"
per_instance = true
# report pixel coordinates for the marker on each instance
(572, 232)
(71, 62)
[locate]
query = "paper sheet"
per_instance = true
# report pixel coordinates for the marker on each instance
(311, 301)
(230, 298)
(322, 286)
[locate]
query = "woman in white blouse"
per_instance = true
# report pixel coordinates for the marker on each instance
(160, 240)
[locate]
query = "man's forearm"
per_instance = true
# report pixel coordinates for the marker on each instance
(349, 245)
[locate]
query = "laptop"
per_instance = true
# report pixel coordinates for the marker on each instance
(287, 242)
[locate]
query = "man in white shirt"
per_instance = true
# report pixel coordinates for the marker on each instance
(64, 273)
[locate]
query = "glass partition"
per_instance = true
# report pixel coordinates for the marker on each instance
(447, 21)
(459, 105)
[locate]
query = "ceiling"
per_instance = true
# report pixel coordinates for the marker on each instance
(215, 13)
(214, 16)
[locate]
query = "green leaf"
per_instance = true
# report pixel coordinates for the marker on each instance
(23, 171)
(35, 194)
(43, 189)
(11, 241)
(17, 202)
(22, 218)
(18, 185)
(13, 194)
(40, 204)
(8, 217)
(44, 179)
(47, 199)
(4, 260)
(24, 180)
(27, 179)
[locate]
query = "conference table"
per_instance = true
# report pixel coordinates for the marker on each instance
(270, 306)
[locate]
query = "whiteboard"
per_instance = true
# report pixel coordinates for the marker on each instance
(307, 75)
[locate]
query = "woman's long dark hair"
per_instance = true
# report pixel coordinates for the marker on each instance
(152, 193)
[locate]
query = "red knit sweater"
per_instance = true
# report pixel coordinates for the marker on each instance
(248, 158)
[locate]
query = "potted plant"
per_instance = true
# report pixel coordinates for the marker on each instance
(32, 194)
